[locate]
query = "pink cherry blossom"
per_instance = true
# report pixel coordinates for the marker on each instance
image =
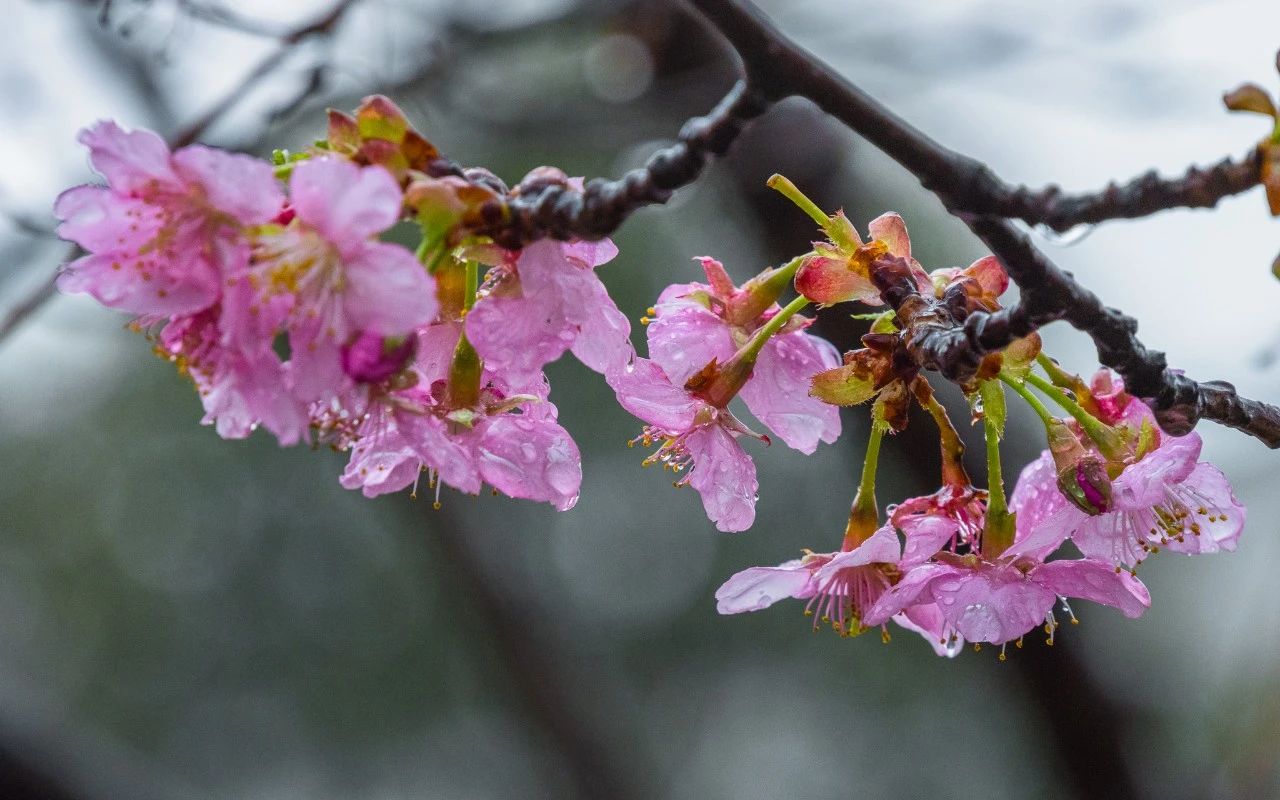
(167, 227)
(694, 323)
(509, 440)
(840, 587)
(1164, 499)
(1001, 600)
(835, 274)
(240, 389)
(694, 435)
(326, 279)
(545, 300)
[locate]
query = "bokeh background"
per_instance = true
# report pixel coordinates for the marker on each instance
(183, 617)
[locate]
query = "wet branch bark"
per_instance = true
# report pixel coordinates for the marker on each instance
(776, 68)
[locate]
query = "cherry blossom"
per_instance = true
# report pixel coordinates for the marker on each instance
(696, 323)
(168, 226)
(694, 435)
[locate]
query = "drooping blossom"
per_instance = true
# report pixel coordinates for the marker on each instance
(1164, 498)
(168, 226)
(693, 435)
(696, 323)
(840, 588)
(999, 599)
(547, 299)
(839, 270)
(506, 436)
(325, 278)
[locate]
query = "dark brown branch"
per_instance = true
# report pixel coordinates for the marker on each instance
(1144, 195)
(777, 68)
(559, 212)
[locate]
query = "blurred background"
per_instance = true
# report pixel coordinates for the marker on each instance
(183, 617)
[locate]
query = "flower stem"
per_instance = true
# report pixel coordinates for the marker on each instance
(998, 532)
(727, 380)
(789, 190)
(864, 516)
(1102, 434)
(751, 350)
(1022, 391)
(473, 285)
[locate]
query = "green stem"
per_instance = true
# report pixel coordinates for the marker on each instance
(751, 350)
(789, 190)
(1108, 441)
(1045, 416)
(995, 474)
(864, 516)
(473, 285)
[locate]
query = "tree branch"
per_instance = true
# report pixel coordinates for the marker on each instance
(778, 68)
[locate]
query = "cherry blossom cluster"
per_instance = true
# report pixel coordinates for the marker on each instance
(281, 290)
(269, 286)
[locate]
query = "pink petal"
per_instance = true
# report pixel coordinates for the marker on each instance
(778, 391)
(603, 341)
(436, 343)
(1039, 540)
(911, 590)
(725, 476)
(686, 340)
(102, 221)
(881, 547)
(925, 534)
(388, 292)
(1036, 497)
(644, 389)
(927, 620)
(379, 466)
(678, 295)
(244, 187)
(1091, 580)
(345, 203)
(1142, 485)
(890, 229)
(757, 588)
(131, 161)
(130, 284)
(992, 603)
(451, 455)
(590, 254)
(533, 459)
(1115, 537)
(990, 275)
(1206, 487)
(518, 335)
(315, 368)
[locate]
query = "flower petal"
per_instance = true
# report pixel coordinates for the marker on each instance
(345, 203)
(725, 476)
(1220, 528)
(927, 620)
(644, 389)
(757, 588)
(992, 603)
(925, 534)
(1091, 580)
(388, 292)
(778, 391)
(533, 459)
(910, 591)
(686, 339)
(239, 185)
(131, 161)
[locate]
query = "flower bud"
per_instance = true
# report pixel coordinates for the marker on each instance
(373, 359)
(1082, 475)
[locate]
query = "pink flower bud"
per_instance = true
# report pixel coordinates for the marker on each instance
(372, 358)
